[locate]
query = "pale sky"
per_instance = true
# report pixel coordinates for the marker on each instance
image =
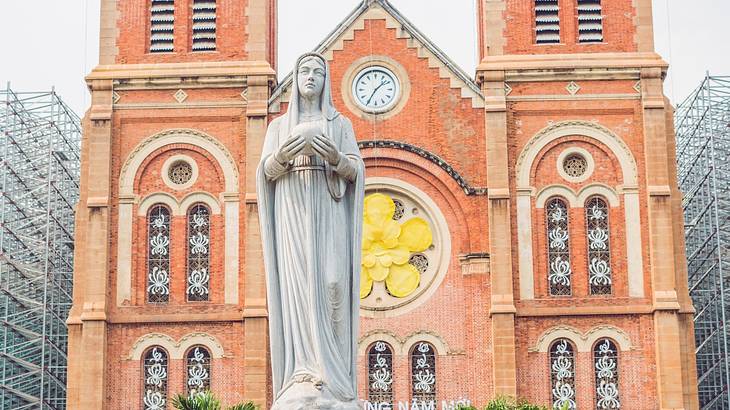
(46, 43)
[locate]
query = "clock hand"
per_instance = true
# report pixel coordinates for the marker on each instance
(382, 83)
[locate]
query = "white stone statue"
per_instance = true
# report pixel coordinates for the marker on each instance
(310, 185)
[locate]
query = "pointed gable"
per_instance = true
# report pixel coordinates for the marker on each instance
(426, 49)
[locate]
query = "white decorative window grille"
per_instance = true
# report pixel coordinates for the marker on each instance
(198, 253)
(423, 371)
(380, 373)
(605, 359)
(420, 261)
(162, 26)
(158, 255)
(155, 379)
(562, 374)
(547, 22)
(204, 25)
(590, 21)
(198, 374)
(599, 247)
(558, 239)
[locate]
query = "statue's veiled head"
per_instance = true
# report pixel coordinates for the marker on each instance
(311, 76)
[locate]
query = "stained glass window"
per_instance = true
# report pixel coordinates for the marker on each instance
(599, 248)
(558, 238)
(380, 373)
(198, 370)
(198, 283)
(423, 373)
(155, 379)
(562, 374)
(158, 255)
(605, 359)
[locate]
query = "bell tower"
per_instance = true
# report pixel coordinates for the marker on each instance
(169, 288)
(575, 113)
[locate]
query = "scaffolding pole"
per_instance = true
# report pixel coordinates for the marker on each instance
(702, 124)
(39, 182)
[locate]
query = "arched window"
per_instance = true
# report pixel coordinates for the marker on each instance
(380, 373)
(423, 373)
(155, 379)
(198, 283)
(558, 238)
(158, 255)
(562, 374)
(198, 369)
(605, 359)
(599, 248)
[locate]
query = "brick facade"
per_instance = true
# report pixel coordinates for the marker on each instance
(485, 152)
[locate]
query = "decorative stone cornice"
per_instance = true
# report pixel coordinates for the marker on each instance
(583, 341)
(455, 175)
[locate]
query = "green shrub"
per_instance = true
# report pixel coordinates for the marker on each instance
(206, 400)
(506, 403)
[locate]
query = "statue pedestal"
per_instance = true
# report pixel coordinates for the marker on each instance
(309, 395)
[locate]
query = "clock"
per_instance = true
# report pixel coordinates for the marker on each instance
(376, 89)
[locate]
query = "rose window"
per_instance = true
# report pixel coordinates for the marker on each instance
(401, 250)
(575, 165)
(180, 173)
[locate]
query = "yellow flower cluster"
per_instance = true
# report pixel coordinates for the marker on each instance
(388, 245)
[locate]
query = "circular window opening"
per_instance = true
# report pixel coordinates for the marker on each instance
(180, 172)
(575, 165)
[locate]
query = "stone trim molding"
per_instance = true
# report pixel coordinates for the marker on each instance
(454, 174)
(382, 10)
(178, 136)
(577, 200)
(403, 346)
(589, 129)
(166, 172)
(629, 190)
(127, 176)
(179, 208)
(176, 349)
(583, 342)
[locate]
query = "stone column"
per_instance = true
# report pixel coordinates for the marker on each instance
(662, 242)
(504, 367)
(87, 321)
(256, 346)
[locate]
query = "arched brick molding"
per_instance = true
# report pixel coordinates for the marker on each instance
(629, 190)
(127, 198)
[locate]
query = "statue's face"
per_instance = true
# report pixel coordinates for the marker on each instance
(311, 78)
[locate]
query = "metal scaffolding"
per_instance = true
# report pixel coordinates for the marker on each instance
(702, 124)
(39, 177)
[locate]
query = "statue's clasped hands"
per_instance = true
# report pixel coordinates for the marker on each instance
(320, 145)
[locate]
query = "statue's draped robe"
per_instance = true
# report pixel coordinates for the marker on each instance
(311, 220)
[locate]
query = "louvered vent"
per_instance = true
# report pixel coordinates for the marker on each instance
(547, 22)
(162, 23)
(590, 21)
(204, 25)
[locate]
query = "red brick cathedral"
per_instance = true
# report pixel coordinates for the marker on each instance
(529, 222)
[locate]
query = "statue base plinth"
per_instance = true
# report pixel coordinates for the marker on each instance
(310, 396)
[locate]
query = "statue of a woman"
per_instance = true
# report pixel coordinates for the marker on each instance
(310, 185)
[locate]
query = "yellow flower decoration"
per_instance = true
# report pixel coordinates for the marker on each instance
(387, 246)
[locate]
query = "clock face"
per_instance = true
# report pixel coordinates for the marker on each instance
(376, 89)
